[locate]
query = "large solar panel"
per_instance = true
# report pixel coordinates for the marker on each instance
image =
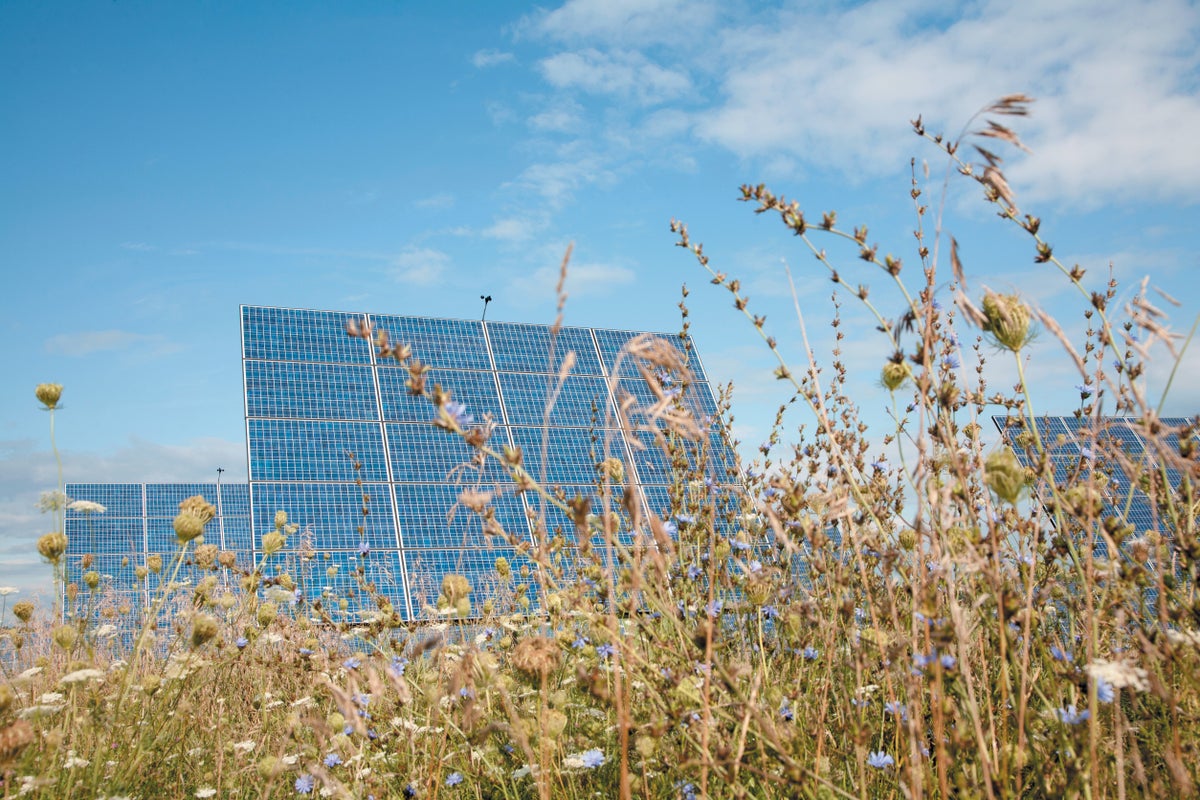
(335, 439)
(1117, 454)
(136, 523)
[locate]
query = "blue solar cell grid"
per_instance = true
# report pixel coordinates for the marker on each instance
(287, 334)
(426, 569)
(446, 343)
(298, 449)
(529, 348)
(330, 515)
(311, 391)
(431, 516)
(577, 402)
(100, 533)
(425, 454)
(571, 454)
(119, 499)
(332, 575)
(474, 390)
(612, 343)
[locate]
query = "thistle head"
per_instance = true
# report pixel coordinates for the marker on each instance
(1004, 475)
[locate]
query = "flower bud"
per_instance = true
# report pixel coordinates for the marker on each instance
(895, 374)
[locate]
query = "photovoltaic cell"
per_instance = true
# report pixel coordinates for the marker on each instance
(312, 391)
(529, 348)
(314, 450)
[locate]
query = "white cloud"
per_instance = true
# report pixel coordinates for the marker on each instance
(1115, 83)
(556, 182)
(626, 21)
(441, 200)
(484, 59)
(563, 116)
(591, 280)
(624, 73)
(512, 229)
(422, 266)
(87, 342)
(141, 247)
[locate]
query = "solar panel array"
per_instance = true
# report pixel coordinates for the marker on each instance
(336, 440)
(136, 523)
(1112, 448)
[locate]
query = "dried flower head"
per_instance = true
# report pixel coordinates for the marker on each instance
(1004, 475)
(267, 613)
(188, 526)
(154, 563)
(536, 657)
(49, 394)
(197, 505)
(52, 546)
(1120, 675)
(272, 542)
(91, 579)
(455, 587)
(23, 610)
(204, 628)
(15, 738)
(65, 636)
(1007, 319)
(206, 556)
(895, 374)
(280, 519)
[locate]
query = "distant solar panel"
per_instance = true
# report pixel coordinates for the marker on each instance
(1116, 453)
(335, 439)
(136, 523)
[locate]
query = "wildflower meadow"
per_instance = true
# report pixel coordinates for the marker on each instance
(914, 612)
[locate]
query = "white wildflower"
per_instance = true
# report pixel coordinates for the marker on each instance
(50, 698)
(289, 761)
(244, 747)
(81, 676)
(86, 507)
(53, 500)
(325, 791)
(303, 701)
(105, 631)
(1184, 637)
(205, 791)
(5, 591)
(27, 675)
(40, 711)
(272, 638)
(1120, 675)
(74, 761)
(277, 594)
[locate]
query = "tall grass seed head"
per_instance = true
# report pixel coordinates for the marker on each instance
(49, 394)
(52, 546)
(1004, 475)
(188, 526)
(23, 610)
(1007, 319)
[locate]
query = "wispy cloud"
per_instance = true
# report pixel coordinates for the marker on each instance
(422, 266)
(141, 247)
(484, 59)
(513, 229)
(588, 279)
(624, 73)
(85, 343)
(626, 21)
(439, 201)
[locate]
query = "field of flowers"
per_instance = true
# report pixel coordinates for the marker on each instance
(951, 625)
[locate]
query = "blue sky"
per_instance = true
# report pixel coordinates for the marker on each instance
(164, 163)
